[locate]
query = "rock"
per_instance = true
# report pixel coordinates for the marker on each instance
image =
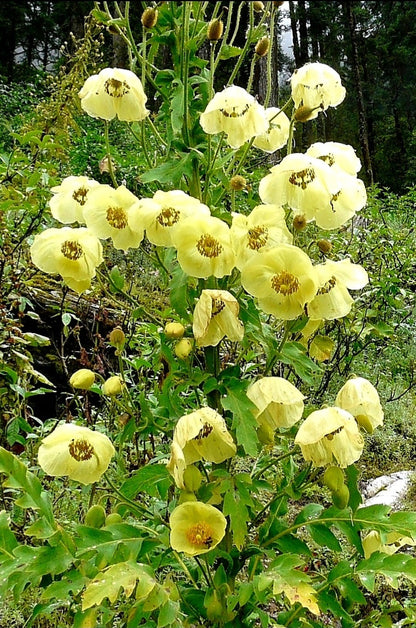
(387, 489)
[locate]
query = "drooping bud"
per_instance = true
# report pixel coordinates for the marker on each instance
(95, 516)
(299, 222)
(113, 517)
(215, 30)
(149, 17)
(82, 379)
(341, 497)
(262, 47)
(333, 478)
(183, 348)
(238, 183)
(113, 386)
(174, 331)
(117, 338)
(258, 6)
(303, 114)
(324, 246)
(192, 478)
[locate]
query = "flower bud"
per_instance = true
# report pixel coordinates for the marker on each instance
(192, 478)
(183, 348)
(333, 478)
(215, 30)
(258, 6)
(324, 246)
(262, 47)
(95, 516)
(113, 517)
(83, 379)
(174, 331)
(112, 386)
(299, 222)
(149, 17)
(341, 497)
(238, 183)
(303, 114)
(117, 338)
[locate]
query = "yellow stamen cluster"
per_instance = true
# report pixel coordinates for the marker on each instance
(116, 88)
(200, 534)
(217, 306)
(257, 237)
(208, 246)
(302, 178)
(325, 289)
(116, 217)
(285, 283)
(80, 195)
(71, 250)
(81, 449)
(168, 217)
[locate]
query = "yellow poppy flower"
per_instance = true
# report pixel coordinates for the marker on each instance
(203, 435)
(350, 198)
(72, 253)
(216, 316)
(204, 248)
(394, 541)
(330, 433)
(114, 92)
(277, 134)
(69, 198)
(282, 278)
(115, 214)
(279, 403)
(265, 227)
(332, 299)
(177, 464)
(336, 155)
(236, 113)
(196, 528)
(300, 181)
(78, 452)
(359, 397)
(316, 86)
(165, 211)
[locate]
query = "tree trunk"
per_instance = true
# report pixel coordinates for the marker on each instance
(356, 69)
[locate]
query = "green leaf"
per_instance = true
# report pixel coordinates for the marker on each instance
(8, 540)
(324, 537)
(244, 423)
(70, 584)
(116, 279)
(153, 479)
(177, 106)
(328, 602)
(170, 171)
(392, 567)
(227, 52)
(178, 294)
(236, 509)
(109, 582)
(294, 354)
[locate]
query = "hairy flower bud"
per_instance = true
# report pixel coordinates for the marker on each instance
(324, 246)
(83, 379)
(95, 516)
(258, 6)
(238, 183)
(341, 497)
(174, 331)
(333, 478)
(117, 338)
(149, 17)
(299, 222)
(113, 386)
(262, 47)
(215, 30)
(183, 348)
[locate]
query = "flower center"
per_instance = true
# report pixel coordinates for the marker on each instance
(233, 113)
(302, 178)
(331, 435)
(80, 449)
(116, 88)
(80, 195)
(257, 237)
(117, 218)
(71, 250)
(327, 287)
(204, 432)
(285, 283)
(208, 246)
(328, 159)
(168, 217)
(200, 534)
(217, 306)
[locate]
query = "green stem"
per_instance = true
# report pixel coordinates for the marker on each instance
(185, 68)
(185, 569)
(108, 152)
(269, 57)
(251, 76)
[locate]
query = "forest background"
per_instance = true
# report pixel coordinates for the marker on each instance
(372, 46)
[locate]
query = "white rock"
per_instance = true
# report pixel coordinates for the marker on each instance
(387, 489)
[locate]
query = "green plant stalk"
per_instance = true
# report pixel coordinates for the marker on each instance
(254, 60)
(108, 154)
(237, 23)
(269, 56)
(225, 35)
(185, 69)
(247, 45)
